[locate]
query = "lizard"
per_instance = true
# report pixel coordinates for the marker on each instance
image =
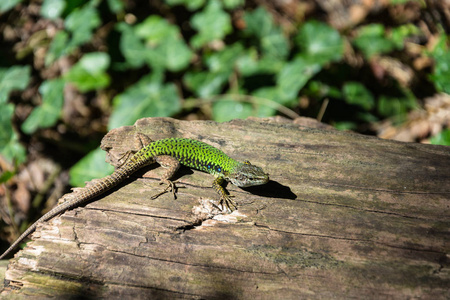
(169, 153)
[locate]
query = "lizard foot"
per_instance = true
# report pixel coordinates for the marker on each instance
(170, 186)
(230, 204)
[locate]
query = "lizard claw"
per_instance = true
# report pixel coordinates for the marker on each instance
(170, 186)
(230, 204)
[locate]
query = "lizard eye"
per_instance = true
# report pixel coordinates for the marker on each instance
(247, 162)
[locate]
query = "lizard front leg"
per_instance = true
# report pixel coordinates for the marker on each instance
(171, 164)
(224, 197)
(140, 141)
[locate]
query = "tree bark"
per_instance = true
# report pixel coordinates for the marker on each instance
(344, 216)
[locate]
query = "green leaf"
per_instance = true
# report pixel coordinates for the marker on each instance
(8, 4)
(366, 117)
(293, 77)
(371, 40)
(116, 6)
(49, 111)
(227, 109)
(205, 84)
(355, 93)
(10, 148)
(259, 22)
(224, 61)
(89, 167)
(272, 41)
(442, 138)
(155, 30)
(269, 93)
(147, 98)
(58, 47)
(320, 42)
(13, 78)
(221, 65)
(52, 9)
(163, 44)
(249, 63)
(441, 72)
(400, 34)
(320, 90)
(212, 24)
(89, 72)
(81, 23)
(275, 44)
(132, 48)
(232, 4)
(395, 106)
(6, 175)
(345, 125)
(190, 4)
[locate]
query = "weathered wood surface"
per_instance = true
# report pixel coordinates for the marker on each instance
(344, 216)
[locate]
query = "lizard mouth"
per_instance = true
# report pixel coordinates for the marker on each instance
(251, 181)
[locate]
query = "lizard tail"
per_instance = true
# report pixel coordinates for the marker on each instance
(87, 193)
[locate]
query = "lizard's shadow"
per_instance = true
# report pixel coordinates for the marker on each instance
(272, 189)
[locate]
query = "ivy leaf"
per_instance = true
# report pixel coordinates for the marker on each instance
(320, 42)
(399, 34)
(146, 98)
(371, 40)
(269, 93)
(205, 84)
(80, 24)
(355, 93)
(13, 78)
(10, 148)
(225, 60)
(272, 41)
(58, 47)
(259, 22)
(441, 72)
(220, 67)
(8, 4)
(91, 166)
(249, 63)
(190, 4)
(395, 106)
(89, 72)
(442, 138)
(52, 9)
(116, 6)
(293, 77)
(163, 44)
(212, 24)
(131, 46)
(49, 111)
(227, 109)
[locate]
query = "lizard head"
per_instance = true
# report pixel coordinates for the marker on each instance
(245, 174)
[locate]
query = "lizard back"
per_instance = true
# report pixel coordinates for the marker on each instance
(192, 153)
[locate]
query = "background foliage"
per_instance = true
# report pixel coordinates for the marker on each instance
(71, 70)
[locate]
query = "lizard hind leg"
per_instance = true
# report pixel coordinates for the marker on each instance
(171, 164)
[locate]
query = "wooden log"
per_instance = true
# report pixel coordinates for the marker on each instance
(344, 216)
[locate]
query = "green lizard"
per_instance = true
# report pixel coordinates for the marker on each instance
(169, 153)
